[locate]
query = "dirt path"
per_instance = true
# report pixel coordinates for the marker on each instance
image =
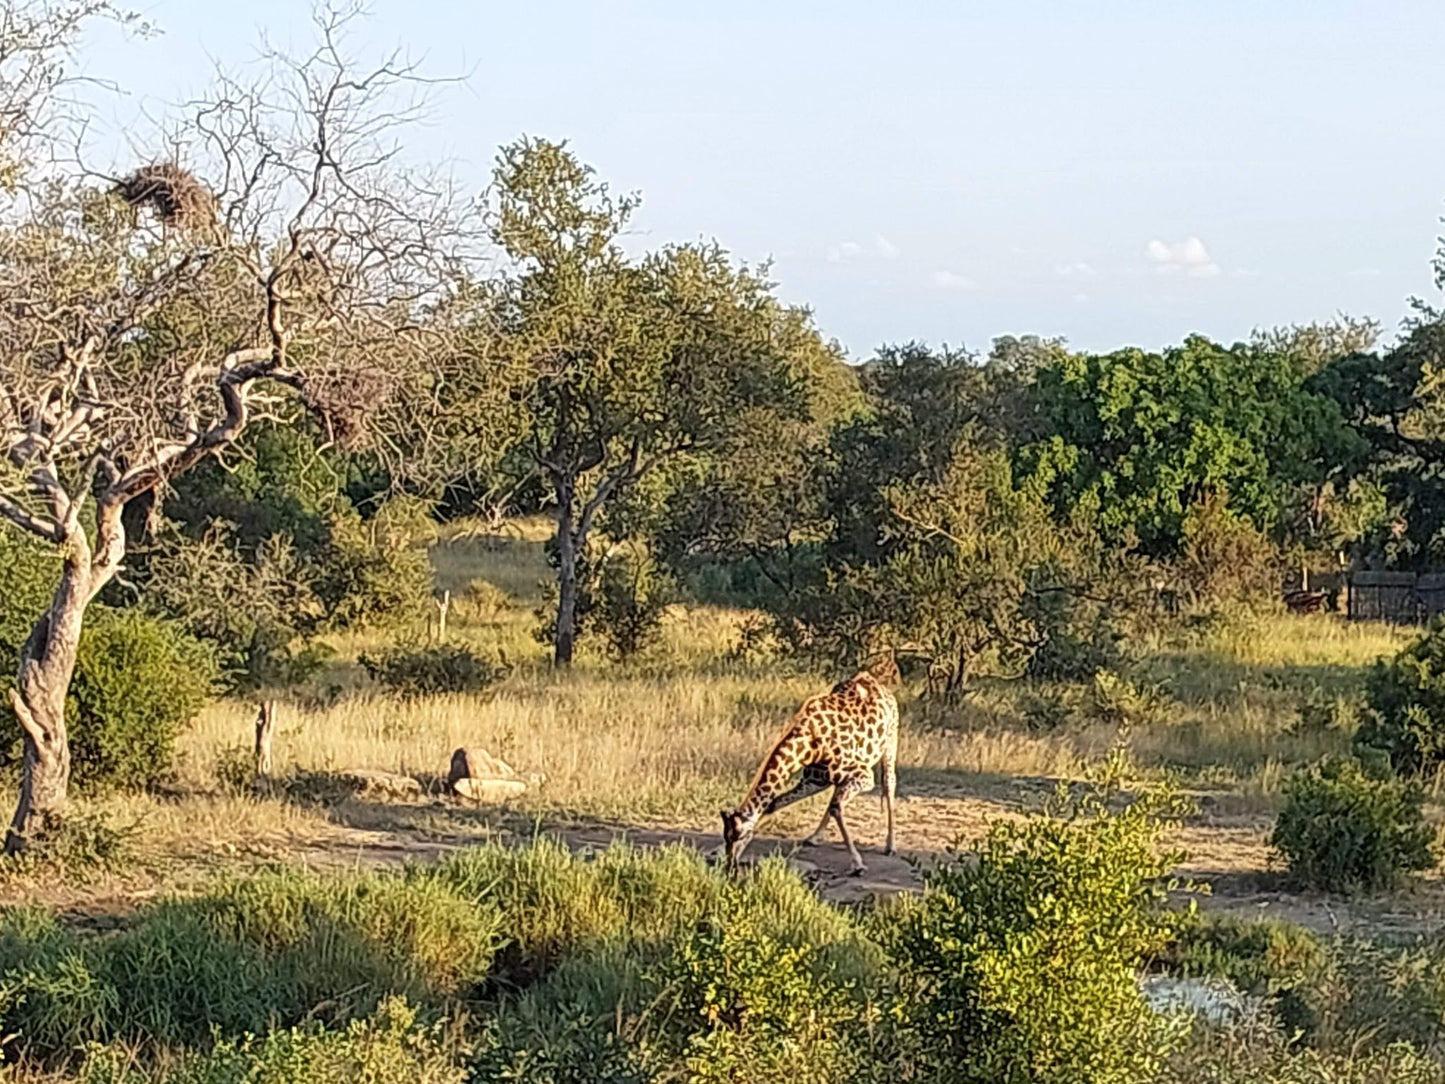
(1228, 853)
(1231, 857)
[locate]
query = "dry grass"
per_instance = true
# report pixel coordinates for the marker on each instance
(668, 740)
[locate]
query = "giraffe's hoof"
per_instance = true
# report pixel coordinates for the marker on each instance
(808, 841)
(858, 870)
(890, 849)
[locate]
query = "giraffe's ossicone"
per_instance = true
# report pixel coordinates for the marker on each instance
(836, 739)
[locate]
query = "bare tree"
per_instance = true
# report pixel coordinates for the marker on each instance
(145, 322)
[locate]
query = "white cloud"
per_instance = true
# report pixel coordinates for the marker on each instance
(1189, 256)
(1077, 270)
(885, 248)
(1365, 273)
(845, 251)
(952, 280)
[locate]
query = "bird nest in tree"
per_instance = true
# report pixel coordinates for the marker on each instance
(344, 398)
(174, 194)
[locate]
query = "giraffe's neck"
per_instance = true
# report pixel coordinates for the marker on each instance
(773, 777)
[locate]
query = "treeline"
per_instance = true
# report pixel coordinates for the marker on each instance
(234, 386)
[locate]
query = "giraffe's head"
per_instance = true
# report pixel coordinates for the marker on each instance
(737, 833)
(884, 667)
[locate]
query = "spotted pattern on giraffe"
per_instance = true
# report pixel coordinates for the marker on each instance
(835, 739)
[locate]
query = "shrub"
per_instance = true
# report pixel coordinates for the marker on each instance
(555, 905)
(1078, 639)
(1254, 1051)
(390, 1045)
(138, 681)
(1225, 557)
(1406, 701)
(622, 959)
(1117, 701)
(425, 671)
(373, 572)
(1021, 966)
(1342, 830)
(1048, 710)
(1281, 963)
(632, 594)
(745, 1005)
(1322, 712)
(278, 947)
(258, 610)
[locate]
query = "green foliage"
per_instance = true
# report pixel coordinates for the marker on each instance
(392, 1044)
(1405, 698)
(1141, 437)
(433, 669)
(77, 846)
(275, 948)
(973, 568)
(749, 1006)
(633, 593)
(1225, 558)
(1021, 966)
(659, 360)
(138, 681)
(649, 965)
(1257, 1052)
(1287, 965)
(256, 610)
(1342, 830)
(1116, 701)
(272, 551)
(1323, 712)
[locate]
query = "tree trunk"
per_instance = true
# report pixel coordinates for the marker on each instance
(565, 635)
(47, 663)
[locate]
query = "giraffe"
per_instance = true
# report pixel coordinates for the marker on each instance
(835, 739)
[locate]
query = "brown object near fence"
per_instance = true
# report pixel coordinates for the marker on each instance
(1404, 598)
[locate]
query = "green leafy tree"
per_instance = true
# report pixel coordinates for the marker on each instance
(1405, 698)
(1143, 437)
(609, 367)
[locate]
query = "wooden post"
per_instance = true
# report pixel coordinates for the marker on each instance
(265, 730)
(444, 606)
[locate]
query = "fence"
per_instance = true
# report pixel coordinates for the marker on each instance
(1404, 598)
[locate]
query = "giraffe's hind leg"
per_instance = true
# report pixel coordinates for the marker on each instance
(890, 791)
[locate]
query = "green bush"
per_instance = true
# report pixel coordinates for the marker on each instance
(1342, 830)
(1406, 705)
(276, 948)
(138, 681)
(258, 609)
(1254, 1051)
(390, 1045)
(426, 671)
(640, 966)
(373, 572)
(1021, 966)
(632, 594)
(746, 1005)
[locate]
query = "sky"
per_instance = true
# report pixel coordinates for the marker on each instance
(1116, 173)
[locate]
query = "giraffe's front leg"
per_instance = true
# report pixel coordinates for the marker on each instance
(841, 794)
(816, 835)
